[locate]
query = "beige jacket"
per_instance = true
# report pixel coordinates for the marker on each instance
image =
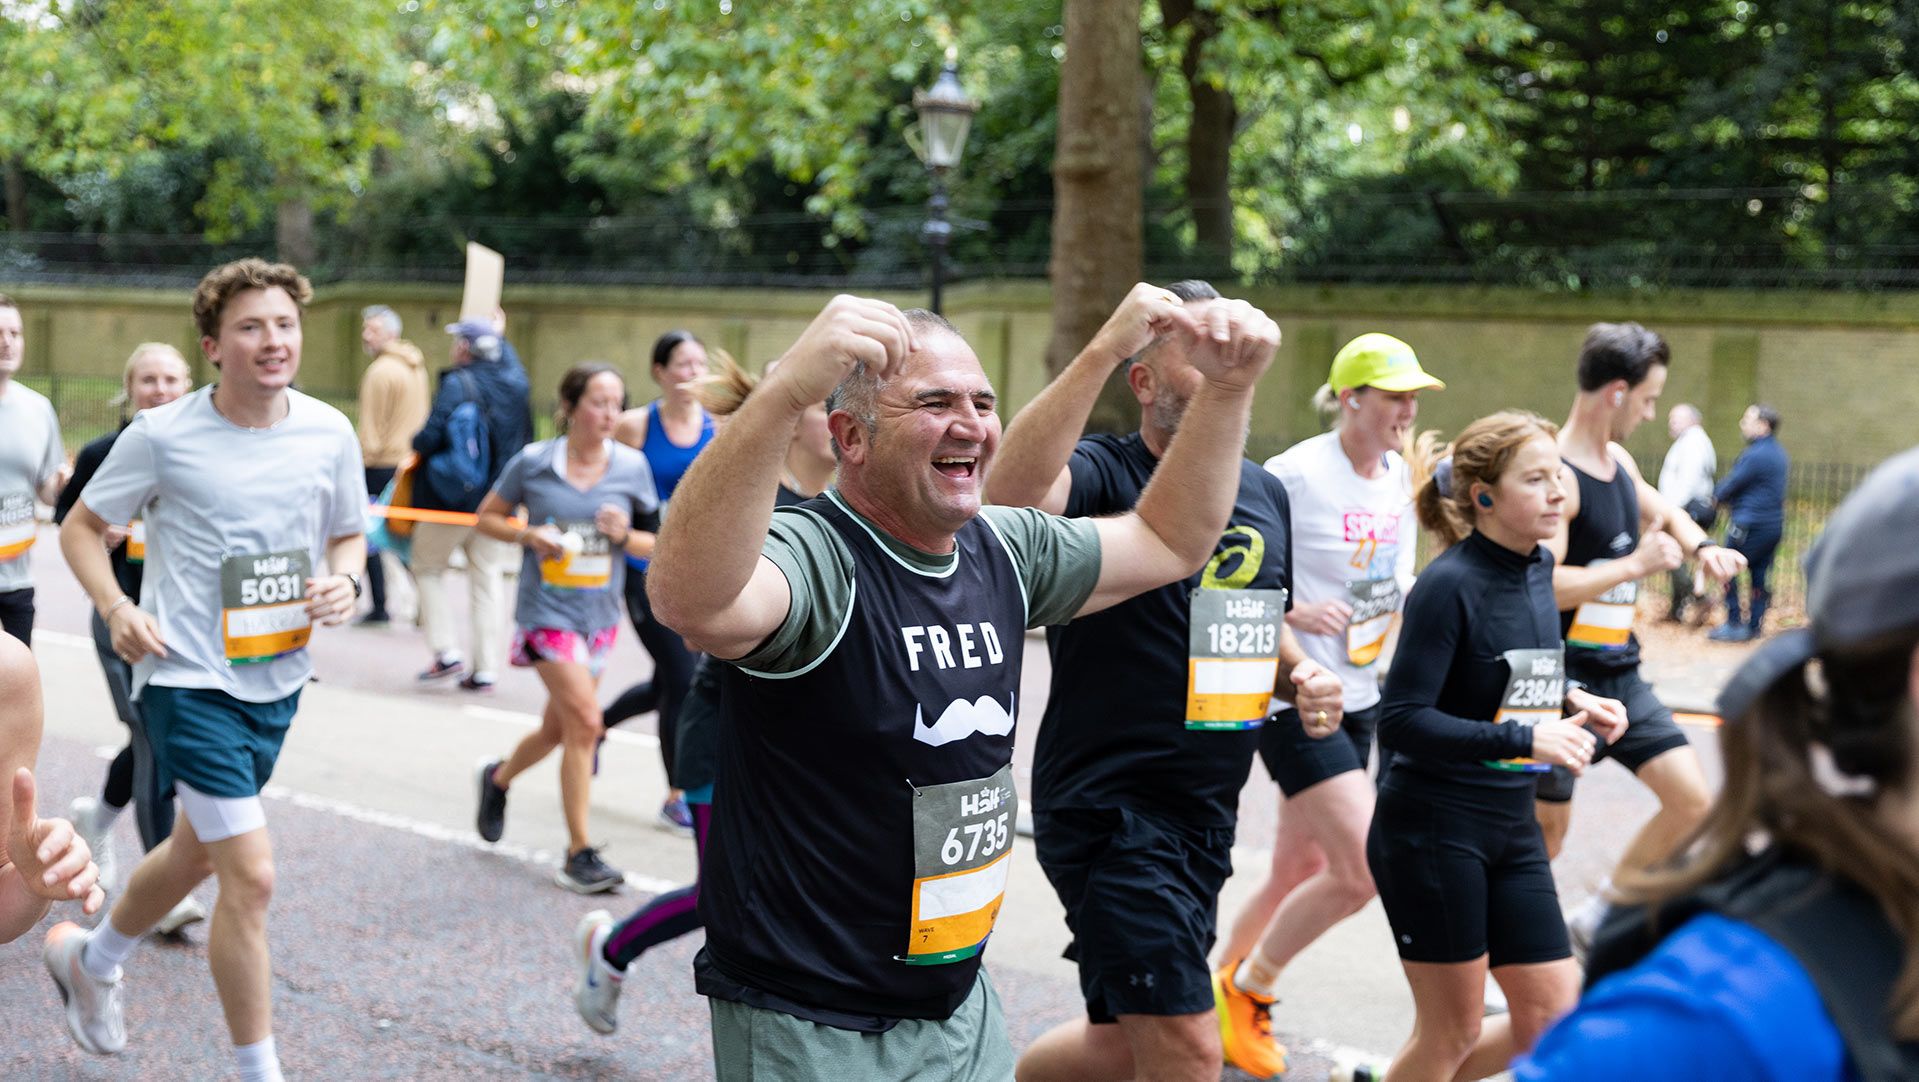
(394, 400)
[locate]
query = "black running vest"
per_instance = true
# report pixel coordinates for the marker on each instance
(1606, 528)
(1834, 930)
(829, 801)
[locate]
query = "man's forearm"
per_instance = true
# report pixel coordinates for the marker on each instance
(347, 555)
(1041, 439)
(1574, 586)
(727, 494)
(1191, 495)
(83, 543)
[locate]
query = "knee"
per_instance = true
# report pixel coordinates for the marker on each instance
(581, 723)
(249, 883)
(1189, 1050)
(1352, 883)
(1455, 1042)
(1531, 1021)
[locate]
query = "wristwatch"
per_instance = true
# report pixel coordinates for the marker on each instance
(355, 580)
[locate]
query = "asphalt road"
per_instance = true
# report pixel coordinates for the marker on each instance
(403, 947)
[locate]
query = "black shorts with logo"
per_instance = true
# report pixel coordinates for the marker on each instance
(1462, 874)
(1298, 762)
(1650, 732)
(1142, 901)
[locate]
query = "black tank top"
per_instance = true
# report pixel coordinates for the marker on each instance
(816, 893)
(1606, 528)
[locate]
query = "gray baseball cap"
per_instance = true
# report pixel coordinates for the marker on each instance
(1861, 577)
(471, 329)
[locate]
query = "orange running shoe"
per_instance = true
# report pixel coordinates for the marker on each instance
(1246, 1027)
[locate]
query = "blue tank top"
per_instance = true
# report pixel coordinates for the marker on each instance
(668, 460)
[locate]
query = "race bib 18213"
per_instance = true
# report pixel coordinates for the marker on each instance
(1232, 657)
(962, 837)
(263, 605)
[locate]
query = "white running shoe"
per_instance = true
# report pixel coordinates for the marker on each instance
(85, 813)
(95, 1015)
(596, 985)
(189, 911)
(1495, 999)
(1583, 926)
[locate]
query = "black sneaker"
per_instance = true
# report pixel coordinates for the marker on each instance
(440, 670)
(474, 683)
(585, 873)
(491, 820)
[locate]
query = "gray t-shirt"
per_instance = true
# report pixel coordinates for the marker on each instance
(1057, 558)
(30, 453)
(236, 519)
(581, 591)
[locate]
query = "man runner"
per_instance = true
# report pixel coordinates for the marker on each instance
(1137, 773)
(1617, 529)
(32, 464)
(866, 802)
(246, 487)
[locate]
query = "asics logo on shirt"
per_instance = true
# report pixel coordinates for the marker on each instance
(962, 719)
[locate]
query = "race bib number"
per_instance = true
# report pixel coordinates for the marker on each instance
(17, 525)
(137, 542)
(1232, 657)
(1605, 622)
(962, 836)
(1374, 602)
(586, 562)
(1535, 692)
(263, 605)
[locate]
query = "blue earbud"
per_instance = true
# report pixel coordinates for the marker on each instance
(1485, 500)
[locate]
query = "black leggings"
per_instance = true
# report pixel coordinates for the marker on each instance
(672, 673)
(668, 916)
(132, 777)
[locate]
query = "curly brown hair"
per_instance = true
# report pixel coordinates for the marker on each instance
(222, 283)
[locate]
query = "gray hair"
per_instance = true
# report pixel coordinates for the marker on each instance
(858, 391)
(382, 313)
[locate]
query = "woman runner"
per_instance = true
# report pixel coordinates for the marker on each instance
(602, 949)
(588, 500)
(1472, 710)
(670, 431)
(155, 374)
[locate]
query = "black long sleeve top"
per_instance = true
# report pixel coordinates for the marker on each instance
(1476, 601)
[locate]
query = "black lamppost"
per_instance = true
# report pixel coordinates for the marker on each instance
(945, 114)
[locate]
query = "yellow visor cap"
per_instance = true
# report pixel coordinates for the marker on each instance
(1382, 361)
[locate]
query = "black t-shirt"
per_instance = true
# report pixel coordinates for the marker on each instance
(1606, 528)
(85, 464)
(1474, 602)
(1114, 733)
(826, 890)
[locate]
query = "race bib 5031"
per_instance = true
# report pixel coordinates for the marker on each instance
(263, 605)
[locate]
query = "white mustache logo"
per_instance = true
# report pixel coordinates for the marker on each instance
(962, 719)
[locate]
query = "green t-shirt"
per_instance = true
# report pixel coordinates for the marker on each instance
(1057, 558)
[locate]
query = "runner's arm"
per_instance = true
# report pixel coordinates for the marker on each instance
(330, 599)
(1031, 469)
(1185, 507)
(708, 579)
(632, 428)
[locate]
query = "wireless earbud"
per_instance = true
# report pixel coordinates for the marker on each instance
(1485, 501)
(1618, 397)
(1353, 403)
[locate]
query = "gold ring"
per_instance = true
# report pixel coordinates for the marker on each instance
(1322, 717)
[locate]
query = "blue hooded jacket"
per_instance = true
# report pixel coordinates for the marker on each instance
(505, 407)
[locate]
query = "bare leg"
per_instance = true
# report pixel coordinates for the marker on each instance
(1448, 1001)
(1296, 858)
(237, 939)
(532, 748)
(1679, 782)
(1538, 995)
(1337, 813)
(573, 700)
(163, 877)
(1077, 1051)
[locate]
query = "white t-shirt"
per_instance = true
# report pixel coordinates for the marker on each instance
(236, 519)
(30, 453)
(1350, 535)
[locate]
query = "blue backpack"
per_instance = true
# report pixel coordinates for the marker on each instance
(458, 472)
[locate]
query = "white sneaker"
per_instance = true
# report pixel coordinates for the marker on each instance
(85, 813)
(1495, 998)
(1583, 926)
(95, 1016)
(189, 911)
(596, 985)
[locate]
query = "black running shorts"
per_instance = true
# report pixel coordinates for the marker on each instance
(1460, 878)
(1651, 731)
(1141, 896)
(1298, 762)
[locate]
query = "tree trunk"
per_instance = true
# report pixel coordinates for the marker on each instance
(1209, 146)
(1097, 184)
(17, 219)
(293, 234)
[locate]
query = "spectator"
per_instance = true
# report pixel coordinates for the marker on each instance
(1685, 479)
(394, 399)
(464, 450)
(1754, 496)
